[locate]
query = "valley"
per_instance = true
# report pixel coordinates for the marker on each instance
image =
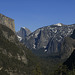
(49, 50)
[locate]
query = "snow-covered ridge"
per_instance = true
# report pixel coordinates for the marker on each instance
(59, 24)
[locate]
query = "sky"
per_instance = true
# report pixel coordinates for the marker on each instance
(34, 14)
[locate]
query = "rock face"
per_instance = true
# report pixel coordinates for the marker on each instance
(68, 46)
(49, 38)
(7, 21)
(23, 33)
(70, 62)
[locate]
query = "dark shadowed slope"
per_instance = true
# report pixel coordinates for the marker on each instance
(15, 58)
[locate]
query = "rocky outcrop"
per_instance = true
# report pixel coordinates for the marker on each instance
(7, 21)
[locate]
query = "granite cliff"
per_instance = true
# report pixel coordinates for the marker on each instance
(48, 40)
(7, 21)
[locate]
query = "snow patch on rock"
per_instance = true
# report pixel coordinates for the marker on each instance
(34, 46)
(44, 46)
(36, 35)
(20, 38)
(58, 24)
(45, 50)
(24, 27)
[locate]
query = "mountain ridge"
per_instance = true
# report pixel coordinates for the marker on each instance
(48, 38)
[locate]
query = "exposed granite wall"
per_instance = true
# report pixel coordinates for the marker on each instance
(7, 21)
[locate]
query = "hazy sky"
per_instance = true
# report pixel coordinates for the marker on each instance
(34, 14)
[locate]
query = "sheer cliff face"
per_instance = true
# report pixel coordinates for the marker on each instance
(7, 21)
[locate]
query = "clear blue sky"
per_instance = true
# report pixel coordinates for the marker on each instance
(34, 14)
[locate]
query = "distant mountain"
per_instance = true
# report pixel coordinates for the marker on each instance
(23, 33)
(48, 40)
